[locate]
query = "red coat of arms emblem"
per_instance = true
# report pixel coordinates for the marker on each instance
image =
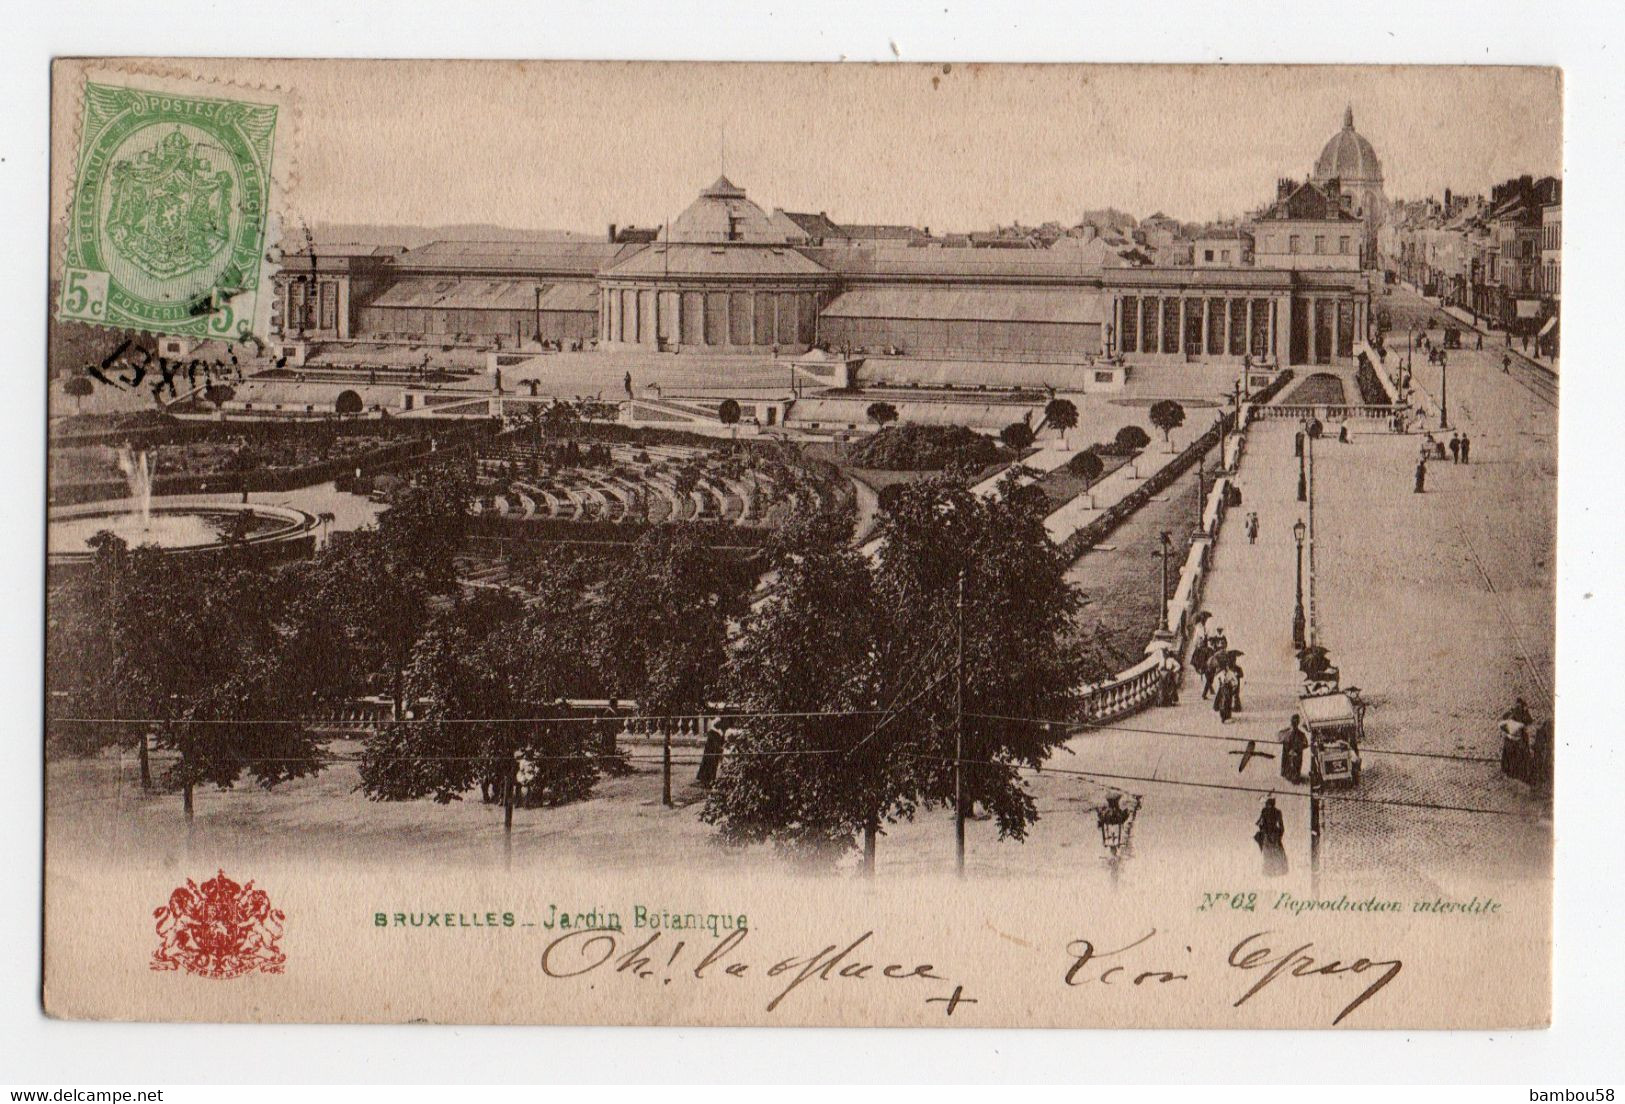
(219, 930)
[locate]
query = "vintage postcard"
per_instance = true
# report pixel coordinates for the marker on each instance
(700, 544)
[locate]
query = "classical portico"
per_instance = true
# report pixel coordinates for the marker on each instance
(1275, 316)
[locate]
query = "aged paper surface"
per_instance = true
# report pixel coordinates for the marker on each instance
(681, 544)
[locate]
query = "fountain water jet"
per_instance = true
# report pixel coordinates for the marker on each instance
(137, 471)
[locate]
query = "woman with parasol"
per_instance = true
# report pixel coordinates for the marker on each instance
(1226, 684)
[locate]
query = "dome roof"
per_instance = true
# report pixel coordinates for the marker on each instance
(723, 213)
(1348, 156)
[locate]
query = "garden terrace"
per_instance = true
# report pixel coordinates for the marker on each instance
(524, 477)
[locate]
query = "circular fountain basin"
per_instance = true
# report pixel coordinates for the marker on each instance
(171, 528)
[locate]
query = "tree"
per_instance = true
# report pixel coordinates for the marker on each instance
(1087, 466)
(489, 683)
(1063, 415)
(662, 627)
(347, 403)
(813, 774)
(211, 686)
(1018, 436)
(1167, 415)
(1132, 438)
(886, 635)
(728, 415)
(220, 394)
(882, 413)
(361, 605)
(80, 388)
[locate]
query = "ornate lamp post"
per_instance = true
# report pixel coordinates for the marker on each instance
(1167, 549)
(1303, 474)
(1116, 828)
(1299, 531)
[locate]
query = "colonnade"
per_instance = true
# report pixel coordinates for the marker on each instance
(755, 317)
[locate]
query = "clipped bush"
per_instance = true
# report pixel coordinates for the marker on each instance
(924, 448)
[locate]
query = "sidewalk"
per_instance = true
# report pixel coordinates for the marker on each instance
(1250, 593)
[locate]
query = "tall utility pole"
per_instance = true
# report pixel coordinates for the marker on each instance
(1314, 829)
(959, 733)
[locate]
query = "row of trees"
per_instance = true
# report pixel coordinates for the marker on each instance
(848, 687)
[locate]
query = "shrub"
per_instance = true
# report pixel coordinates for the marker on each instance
(1371, 390)
(924, 448)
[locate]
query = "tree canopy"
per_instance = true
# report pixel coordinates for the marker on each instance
(882, 413)
(1167, 415)
(885, 634)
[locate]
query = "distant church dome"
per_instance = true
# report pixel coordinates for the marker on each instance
(1348, 157)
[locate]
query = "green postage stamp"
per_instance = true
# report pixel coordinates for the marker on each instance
(167, 223)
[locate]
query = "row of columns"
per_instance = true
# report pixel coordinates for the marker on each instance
(793, 311)
(1273, 312)
(1259, 309)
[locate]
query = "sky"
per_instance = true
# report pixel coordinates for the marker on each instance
(577, 146)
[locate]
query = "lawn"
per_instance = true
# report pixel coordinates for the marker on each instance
(1062, 486)
(1119, 578)
(1320, 389)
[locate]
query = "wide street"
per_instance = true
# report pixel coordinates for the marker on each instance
(1441, 606)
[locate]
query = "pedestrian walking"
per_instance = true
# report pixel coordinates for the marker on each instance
(1171, 668)
(1252, 528)
(1293, 742)
(1269, 836)
(1455, 448)
(1343, 433)
(1481, 339)
(1421, 475)
(1226, 688)
(1216, 644)
(1466, 448)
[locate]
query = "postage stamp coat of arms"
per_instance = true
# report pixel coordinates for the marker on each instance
(168, 217)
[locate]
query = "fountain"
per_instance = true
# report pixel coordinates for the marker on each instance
(197, 525)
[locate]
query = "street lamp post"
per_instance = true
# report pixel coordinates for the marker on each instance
(1303, 474)
(1116, 826)
(1299, 531)
(1444, 392)
(1167, 549)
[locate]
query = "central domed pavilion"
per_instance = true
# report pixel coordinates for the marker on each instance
(721, 278)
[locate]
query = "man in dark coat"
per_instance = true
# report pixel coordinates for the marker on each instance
(1455, 448)
(1466, 448)
(1421, 475)
(1293, 743)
